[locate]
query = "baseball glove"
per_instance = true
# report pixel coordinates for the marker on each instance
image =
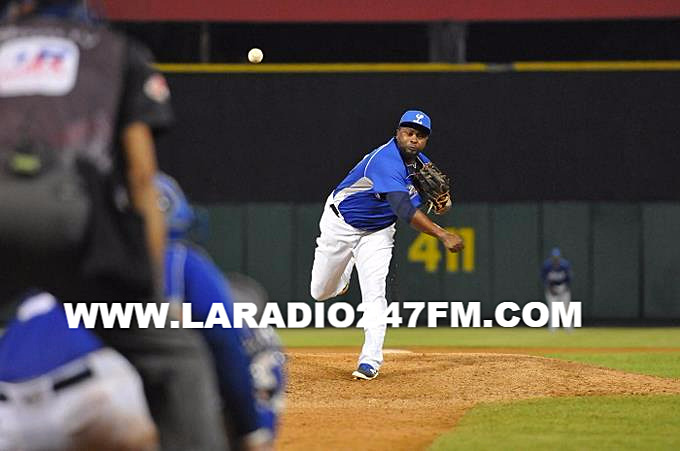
(433, 186)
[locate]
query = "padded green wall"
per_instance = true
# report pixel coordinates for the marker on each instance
(625, 257)
(270, 249)
(661, 237)
(616, 261)
(471, 279)
(227, 237)
(515, 253)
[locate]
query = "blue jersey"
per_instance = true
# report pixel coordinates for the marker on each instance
(39, 340)
(191, 276)
(556, 275)
(360, 197)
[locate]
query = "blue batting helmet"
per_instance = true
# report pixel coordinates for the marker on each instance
(179, 215)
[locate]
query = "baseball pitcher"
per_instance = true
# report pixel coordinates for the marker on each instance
(358, 224)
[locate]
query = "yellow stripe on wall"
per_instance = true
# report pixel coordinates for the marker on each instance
(317, 68)
(604, 66)
(561, 66)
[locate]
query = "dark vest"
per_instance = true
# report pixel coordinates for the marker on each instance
(60, 89)
(61, 169)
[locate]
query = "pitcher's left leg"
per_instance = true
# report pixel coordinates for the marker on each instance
(373, 255)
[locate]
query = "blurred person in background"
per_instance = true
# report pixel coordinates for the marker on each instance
(556, 277)
(78, 208)
(250, 362)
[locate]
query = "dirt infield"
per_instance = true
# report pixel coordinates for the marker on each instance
(419, 395)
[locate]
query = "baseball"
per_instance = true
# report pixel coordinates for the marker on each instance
(255, 55)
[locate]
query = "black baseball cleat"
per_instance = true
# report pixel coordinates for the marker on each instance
(365, 372)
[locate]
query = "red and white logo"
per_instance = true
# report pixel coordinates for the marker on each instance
(156, 88)
(38, 65)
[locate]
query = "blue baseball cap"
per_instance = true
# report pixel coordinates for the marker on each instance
(556, 252)
(417, 118)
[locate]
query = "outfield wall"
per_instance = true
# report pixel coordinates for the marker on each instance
(625, 255)
(290, 133)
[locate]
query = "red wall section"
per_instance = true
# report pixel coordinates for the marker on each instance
(384, 10)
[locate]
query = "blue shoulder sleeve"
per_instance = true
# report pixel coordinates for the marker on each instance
(387, 171)
(401, 205)
(567, 269)
(175, 260)
(545, 269)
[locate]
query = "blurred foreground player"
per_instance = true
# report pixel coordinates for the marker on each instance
(78, 208)
(249, 361)
(267, 360)
(556, 276)
(62, 389)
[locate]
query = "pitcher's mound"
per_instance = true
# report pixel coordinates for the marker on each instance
(417, 396)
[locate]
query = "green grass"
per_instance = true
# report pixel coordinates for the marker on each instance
(612, 337)
(664, 364)
(608, 422)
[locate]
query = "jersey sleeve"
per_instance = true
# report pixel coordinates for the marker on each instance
(545, 269)
(568, 271)
(206, 285)
(402, 205)
(387, 174)
(146, 96)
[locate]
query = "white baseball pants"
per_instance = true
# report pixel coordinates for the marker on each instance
(563, 296)
(105, 410)
(339, 249)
